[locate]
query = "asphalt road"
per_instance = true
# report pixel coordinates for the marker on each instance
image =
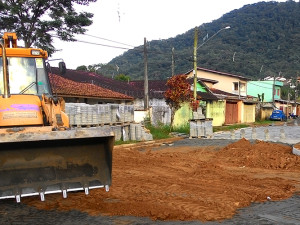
(285, 212)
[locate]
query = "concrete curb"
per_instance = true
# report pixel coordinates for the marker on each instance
(296, 151)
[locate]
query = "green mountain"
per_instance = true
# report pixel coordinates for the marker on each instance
(264, 40)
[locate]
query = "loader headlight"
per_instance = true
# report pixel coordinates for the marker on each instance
(35, 52)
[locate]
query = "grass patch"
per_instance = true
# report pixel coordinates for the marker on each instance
(163, 131)
(230, 127)
(185, 129)
(264, 122)
(160, 131)
(238, 126)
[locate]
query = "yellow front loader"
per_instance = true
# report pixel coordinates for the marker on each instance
(39, 153)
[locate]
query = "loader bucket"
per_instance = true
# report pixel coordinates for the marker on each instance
(55, 161)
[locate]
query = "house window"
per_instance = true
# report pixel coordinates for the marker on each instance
(235, 86)
(242, 86)
(238, 86)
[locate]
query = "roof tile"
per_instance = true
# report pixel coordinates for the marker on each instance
(68, 87)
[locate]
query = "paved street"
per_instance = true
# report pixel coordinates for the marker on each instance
(288, 133)
(285, 212)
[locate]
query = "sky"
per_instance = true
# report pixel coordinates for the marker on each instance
(130, 21)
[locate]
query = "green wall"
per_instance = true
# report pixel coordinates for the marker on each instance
(201, 88)
(183, 115)
(265, 86)
(216, 111)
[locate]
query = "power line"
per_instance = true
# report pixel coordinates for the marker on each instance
(93, 43)
(108, 40)
(136, 49)
(267, 84)
(151, 50)
(104, 45)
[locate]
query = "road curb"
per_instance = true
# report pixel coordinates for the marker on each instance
(296, 151)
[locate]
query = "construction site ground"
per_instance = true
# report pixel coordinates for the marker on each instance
(182, 181)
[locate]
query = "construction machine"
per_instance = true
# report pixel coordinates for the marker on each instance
(39, 153)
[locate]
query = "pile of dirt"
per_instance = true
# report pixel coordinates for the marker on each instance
(188, 183)
(259, 155)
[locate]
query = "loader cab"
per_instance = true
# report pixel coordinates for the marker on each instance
(24, 81)
(27, 75)
(24, 69)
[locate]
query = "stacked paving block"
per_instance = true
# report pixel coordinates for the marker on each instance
(81, 114)
(201, 128)
(139, 133)
(104, 114)
(118, 116)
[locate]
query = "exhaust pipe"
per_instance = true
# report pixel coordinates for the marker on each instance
(5, 72)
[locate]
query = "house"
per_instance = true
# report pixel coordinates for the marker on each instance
(131, 92)
(78, 86)
(119, 116)
(265, 90)
(230, 83)
(231, 108)
(268, 93)
(232, 104)
(160, 112)
(77, 92)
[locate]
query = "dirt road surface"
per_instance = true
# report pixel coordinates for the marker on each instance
(182, 182)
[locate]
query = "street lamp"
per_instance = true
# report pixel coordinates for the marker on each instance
(195, 55)
(225, 28)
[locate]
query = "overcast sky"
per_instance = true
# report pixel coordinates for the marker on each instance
(129, 21)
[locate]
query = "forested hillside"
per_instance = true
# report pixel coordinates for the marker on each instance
(264, 39)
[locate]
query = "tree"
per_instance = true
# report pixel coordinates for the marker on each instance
(263, 40)
(122, 77)
(94, 67)
(178, 92)
(82, 68)
(33, 20)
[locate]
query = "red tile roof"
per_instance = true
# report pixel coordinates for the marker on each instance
(156, 88)
(133, 88)
(66, 87)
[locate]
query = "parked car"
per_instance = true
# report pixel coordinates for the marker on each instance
(278, 115)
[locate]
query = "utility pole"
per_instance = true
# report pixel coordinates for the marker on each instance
(146, 94)
(273, 92)
(296, 91)
(195, 62)
(239, 90)
(173, 62)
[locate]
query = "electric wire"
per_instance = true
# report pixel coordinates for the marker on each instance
(104, 45)
(136, 49)
(93, 43)
(105, 39)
